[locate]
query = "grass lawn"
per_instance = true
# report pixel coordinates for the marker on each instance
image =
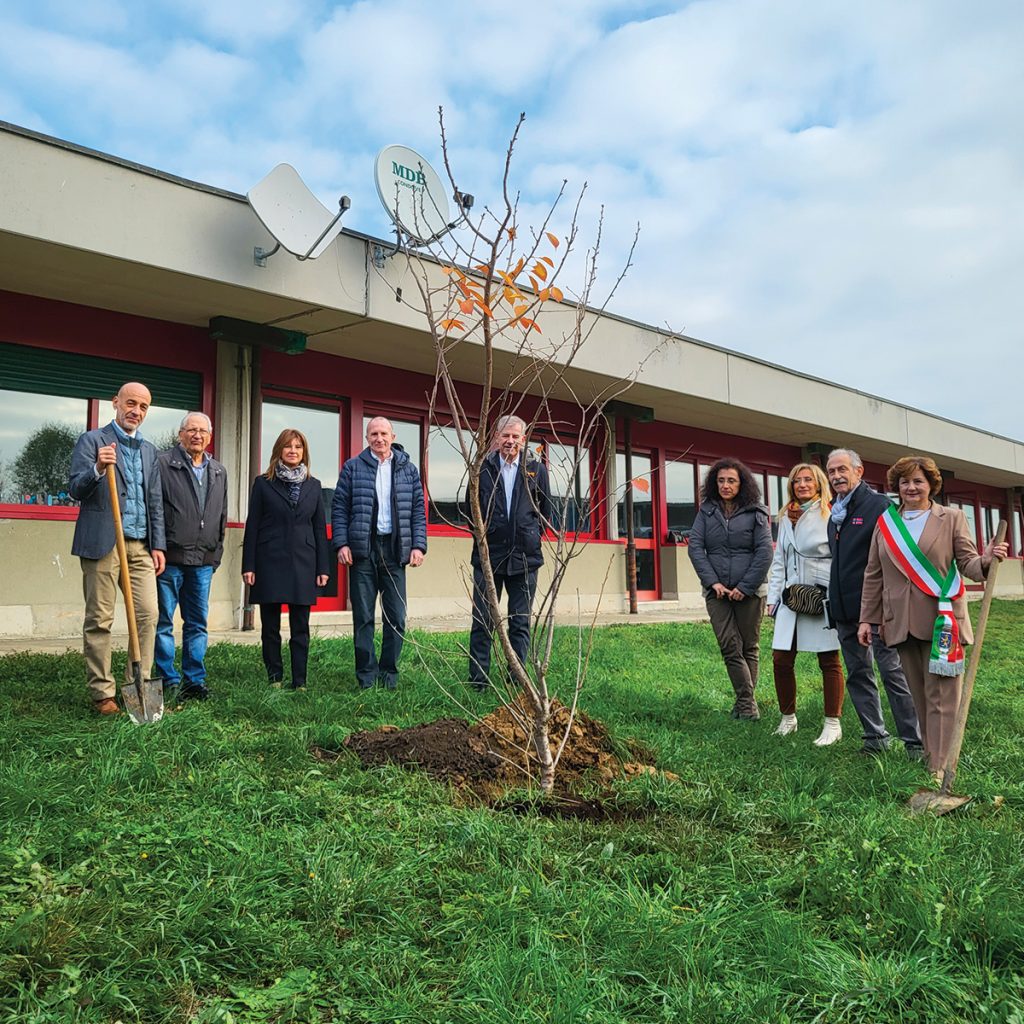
(208, 869)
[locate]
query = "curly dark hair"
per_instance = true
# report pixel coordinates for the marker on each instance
(750, 489)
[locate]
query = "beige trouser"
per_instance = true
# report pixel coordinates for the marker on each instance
(100, 578)
(936, 699)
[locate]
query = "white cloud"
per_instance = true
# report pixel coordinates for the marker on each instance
(836, 188)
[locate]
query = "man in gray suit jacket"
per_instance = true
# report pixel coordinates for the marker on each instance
(118, 444)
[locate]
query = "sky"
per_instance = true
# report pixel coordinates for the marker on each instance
(834, 187)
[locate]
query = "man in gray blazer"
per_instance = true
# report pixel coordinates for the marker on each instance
(118, 444)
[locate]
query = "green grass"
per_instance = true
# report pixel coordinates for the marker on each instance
(207, 869)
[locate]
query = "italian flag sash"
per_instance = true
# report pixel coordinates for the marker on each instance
(947, 657)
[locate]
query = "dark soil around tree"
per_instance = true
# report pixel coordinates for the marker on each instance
(486, 759)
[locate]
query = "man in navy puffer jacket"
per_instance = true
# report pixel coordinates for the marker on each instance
(379, 526)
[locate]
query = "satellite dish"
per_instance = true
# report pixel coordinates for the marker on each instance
(413, 194)
(293, 215)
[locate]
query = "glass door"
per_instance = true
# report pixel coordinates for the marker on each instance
(323, 425)
(644, 505)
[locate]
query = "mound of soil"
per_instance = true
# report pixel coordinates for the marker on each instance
(494, 754)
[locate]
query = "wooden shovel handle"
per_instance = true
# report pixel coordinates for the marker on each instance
(953, 755)
(134, 652)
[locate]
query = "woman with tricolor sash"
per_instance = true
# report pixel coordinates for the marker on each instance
(914, 592)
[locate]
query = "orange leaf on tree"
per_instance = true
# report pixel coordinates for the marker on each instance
(553, 239)
(548, 260)
(512, 233)
(541, 271)
(642, 484)
(466, 305)
(452, 325)
(520, 310)
(544, 294)
(556, 294)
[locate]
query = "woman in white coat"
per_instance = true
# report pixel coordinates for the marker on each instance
(802, 558)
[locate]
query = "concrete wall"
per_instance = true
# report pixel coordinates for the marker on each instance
(42, 588)
(42, 582)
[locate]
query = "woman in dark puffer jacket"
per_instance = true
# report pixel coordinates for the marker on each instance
(730, 546)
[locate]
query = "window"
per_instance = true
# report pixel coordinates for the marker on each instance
(446, 476)
(37, 435)
(408, 433)
(989, 522)
(681, 497)
(1015, 538)
(569, 482)
(45, 406)
(321, 428)
(160, 427)
(643, 499)
(776, 496)
(967, 507)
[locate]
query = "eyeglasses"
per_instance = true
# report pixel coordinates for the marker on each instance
(196, 430)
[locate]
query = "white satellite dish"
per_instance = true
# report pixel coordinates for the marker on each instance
(293, 215)
(413, 194)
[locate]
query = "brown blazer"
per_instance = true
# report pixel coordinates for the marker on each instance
(890, 599)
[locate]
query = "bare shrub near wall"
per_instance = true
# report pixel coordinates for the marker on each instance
(489, 308)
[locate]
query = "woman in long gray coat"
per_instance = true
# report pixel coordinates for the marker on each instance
(284, 552)
(802, 558)
(730, 546)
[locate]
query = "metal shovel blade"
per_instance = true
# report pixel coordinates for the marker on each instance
(143, 699)
(934, 801)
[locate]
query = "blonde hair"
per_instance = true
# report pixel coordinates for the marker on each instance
(824, 490)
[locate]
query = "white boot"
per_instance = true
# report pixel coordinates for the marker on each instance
(786, 726)
(832, 732)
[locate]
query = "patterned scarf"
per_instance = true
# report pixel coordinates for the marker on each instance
(293, 476)
(838, 513)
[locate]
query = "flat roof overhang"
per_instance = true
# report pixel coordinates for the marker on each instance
(182, 252)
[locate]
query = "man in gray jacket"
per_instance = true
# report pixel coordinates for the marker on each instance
(195, 489)
(118, 444)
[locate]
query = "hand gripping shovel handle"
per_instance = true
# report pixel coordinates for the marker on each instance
(953, 756)
(134, 652)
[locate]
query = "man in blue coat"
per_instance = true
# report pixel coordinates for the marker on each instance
(379, 526)
(118, 444)
(515, 500)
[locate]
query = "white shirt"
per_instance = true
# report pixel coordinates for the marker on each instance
(383, 485)
(509, 471)
(915, 523)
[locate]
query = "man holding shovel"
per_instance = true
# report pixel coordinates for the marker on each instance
(118, 444)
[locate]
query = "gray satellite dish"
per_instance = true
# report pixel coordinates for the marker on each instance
(293, 215)
(414, 195)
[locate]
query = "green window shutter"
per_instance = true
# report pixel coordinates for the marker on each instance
(72, 375)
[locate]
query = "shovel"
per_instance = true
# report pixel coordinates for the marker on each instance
(143, 699)
(943, 801)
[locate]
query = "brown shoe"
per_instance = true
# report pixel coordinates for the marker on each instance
(107, 706)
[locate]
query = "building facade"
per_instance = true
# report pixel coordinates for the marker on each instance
(112, 272)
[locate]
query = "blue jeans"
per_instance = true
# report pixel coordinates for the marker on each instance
(368, 577)
(189, 586)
